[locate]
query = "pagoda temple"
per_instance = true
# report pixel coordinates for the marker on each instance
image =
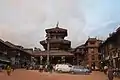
(58, 48)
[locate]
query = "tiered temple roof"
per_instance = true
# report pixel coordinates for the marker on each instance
(58, 45)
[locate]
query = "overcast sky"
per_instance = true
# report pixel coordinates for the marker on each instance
(24, 22)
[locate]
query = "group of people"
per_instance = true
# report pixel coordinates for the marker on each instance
(46, 68)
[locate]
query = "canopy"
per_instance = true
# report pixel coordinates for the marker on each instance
(3, 59)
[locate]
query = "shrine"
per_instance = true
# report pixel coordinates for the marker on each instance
(56, 47)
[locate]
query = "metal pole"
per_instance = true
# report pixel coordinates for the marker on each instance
(48, 54)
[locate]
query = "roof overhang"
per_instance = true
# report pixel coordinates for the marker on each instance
(53, 53)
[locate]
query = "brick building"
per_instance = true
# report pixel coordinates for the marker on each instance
(80, 55)
(88, 53)
(92, 52)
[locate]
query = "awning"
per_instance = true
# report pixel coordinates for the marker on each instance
(3, 59)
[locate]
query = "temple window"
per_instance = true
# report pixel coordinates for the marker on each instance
(110, 46)
(99, 57)
(57, 37)
(93, 57)
(78, 50)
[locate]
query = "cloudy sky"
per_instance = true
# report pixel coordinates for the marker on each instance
(24, 22)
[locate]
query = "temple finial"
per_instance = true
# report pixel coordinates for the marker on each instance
(57, 24)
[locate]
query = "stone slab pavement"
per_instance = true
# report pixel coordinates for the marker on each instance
(22, 74)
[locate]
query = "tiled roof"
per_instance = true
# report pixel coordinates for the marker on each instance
(1, 40)
(81, 46)
(92, 39)
(16, 47)
(10, 44)
(56, 29)
(53, 53)
(118, 29)
(56, 41)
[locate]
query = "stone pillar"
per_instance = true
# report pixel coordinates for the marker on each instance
(89, 60)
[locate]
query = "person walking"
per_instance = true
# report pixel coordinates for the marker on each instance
(110, 73)
(9, 70)
(51, 68)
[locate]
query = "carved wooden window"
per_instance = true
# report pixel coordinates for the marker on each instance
(78, 50)
(110, 46)
(99, 57)
(93, 57)
(114, 53)
(92, 50)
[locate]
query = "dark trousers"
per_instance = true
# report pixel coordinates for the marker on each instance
(110, 77)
